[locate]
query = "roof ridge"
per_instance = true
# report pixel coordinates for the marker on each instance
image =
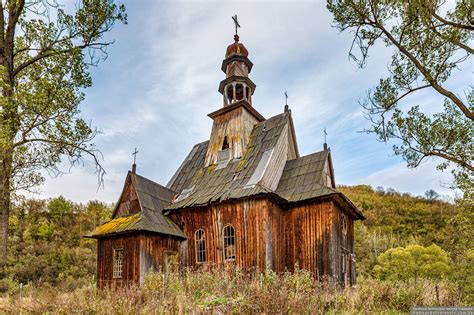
(273, 118)
(314, 153)
(153, 182)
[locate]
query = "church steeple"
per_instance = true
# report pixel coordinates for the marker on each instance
(237, 86)
(233, 122)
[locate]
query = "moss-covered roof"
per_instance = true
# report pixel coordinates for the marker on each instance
(152, 198)
(118, 225)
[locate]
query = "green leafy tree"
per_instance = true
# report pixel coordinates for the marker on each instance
(45, 230)
(464, 274)
(430, 39)
(412, 262)
(59, 207)
(45, 55)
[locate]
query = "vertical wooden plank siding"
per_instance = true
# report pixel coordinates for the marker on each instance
(152, 250)
(308, 235)
(142, 252)
(344, 242)
(248, 217)
(130, 244)
(236, 125)
(307, 239)
(128, 204)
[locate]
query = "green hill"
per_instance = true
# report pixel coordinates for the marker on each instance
(395, 219)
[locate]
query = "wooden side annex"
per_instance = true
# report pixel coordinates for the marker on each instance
(138, 239)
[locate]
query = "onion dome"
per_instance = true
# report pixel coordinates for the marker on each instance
(236, 48)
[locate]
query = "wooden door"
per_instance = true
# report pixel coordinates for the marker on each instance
(171, 261)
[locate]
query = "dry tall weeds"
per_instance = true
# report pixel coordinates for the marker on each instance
(239, 292)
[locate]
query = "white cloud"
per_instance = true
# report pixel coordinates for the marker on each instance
(160, 81)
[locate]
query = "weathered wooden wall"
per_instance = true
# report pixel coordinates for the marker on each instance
(142, 252)
(236, 125)
(130, 243)
(249, 219)
(308, 235)
(344, 242)
(309, 241)
(152, 251)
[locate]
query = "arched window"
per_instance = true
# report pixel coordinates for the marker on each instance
(200, 245)
(229, 242)
(239, 92)
(225, 143)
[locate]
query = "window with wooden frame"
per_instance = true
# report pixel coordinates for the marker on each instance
(229, 242)
(200, 246)
(118, 263)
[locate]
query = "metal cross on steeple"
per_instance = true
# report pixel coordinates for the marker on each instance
(135, 156)
(236, 22)
(134, 166)
(286, 98)
(325, 135)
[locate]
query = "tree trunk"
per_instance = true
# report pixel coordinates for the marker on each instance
(4, 207)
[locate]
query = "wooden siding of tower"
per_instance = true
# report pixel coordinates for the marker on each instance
(142, 252)
(236, 125)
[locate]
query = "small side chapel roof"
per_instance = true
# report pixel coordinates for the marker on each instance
(302, 179)
(152, 198)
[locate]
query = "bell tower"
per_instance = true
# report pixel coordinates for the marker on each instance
(237, 85)
(234, 122)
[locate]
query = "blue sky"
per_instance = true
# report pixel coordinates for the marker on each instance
(161, 77)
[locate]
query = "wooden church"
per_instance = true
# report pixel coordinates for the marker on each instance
(243, 198)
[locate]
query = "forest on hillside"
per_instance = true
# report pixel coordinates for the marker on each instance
(47, 250)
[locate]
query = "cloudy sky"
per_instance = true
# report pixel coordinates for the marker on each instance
(161, 78)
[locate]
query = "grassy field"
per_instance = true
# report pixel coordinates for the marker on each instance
(219, 292)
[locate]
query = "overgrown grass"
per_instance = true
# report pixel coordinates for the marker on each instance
(236, 292)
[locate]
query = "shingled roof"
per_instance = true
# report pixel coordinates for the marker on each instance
(302, 178)
(296, 180)
(199, 185)
(152, 198)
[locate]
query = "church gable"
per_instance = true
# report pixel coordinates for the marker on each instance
(128, 202)
(140, 208)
